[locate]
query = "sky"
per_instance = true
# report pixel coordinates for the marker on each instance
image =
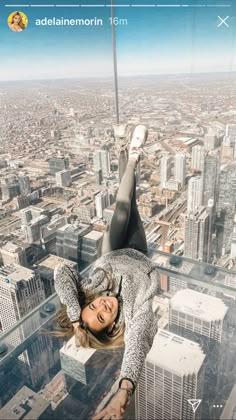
(150, 40)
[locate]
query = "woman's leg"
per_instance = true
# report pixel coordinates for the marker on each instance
(116, 235)
(136, 237)
(134, 234)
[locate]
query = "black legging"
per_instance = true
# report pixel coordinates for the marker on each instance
(126, 227)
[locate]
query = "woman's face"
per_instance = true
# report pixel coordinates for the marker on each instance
(101, 313)
(17, 19)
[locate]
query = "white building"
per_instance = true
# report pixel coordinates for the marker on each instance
(21, 290)
(194, 193)
(197, 234)
(75, 360)
(233, 240)
(180, 169)
(101, 160)
(63, 178)
(166, 161)
(172, 373)
(230, 134)
(210, 141)
(197, 158)
(102, 200)
(198, 312)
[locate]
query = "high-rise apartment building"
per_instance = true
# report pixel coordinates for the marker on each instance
(197, 163)
(166, 162)
(194, 193)
(24, 184)
(210, 141)
(210, 178)
(198, 312)
(197, 234)
(101, 160)
(102, 201)
(180, 169)
(173, 372)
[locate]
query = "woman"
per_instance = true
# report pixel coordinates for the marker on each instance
(114, 306)
(16, 23)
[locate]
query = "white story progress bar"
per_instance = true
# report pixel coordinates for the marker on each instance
(117, 5)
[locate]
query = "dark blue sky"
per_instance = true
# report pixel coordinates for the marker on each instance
(155, 40)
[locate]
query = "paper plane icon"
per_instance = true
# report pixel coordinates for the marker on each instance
(195, 404)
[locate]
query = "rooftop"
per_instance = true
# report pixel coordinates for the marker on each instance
(198, 304)
(81, 354)
(26, 404)
(176, 354)
(10, 247)
(94, 235)
(15, 273)
(52, 261)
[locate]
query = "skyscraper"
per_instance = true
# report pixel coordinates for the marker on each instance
(198, 312)
(21, 290)
(105, 163)
(166, 161)
(233, 241)
(24, 184)
(197, 234)
(172, 373)
(210, 141)
(101, 160)
(210, 178)
(194, 193)
(197, 163)
(102, 200)
(226, 208)
(180, 169)
(231, 134)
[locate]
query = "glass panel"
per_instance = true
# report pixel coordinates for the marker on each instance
(63, 119)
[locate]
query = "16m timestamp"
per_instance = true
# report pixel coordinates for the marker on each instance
(117, 21)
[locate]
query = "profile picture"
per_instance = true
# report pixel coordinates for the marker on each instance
(17, 21)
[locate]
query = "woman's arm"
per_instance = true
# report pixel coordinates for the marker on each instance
(139, 336)
(66, 282)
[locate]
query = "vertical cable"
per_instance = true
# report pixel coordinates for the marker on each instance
(115, 61)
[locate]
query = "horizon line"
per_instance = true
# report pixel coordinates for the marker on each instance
(119, 77)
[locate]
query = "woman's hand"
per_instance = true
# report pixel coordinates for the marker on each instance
(116, 408)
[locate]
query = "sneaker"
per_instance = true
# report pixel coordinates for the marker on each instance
(138, 139)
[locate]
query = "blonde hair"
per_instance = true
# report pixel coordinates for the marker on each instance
(21, 24)
(85, 337)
